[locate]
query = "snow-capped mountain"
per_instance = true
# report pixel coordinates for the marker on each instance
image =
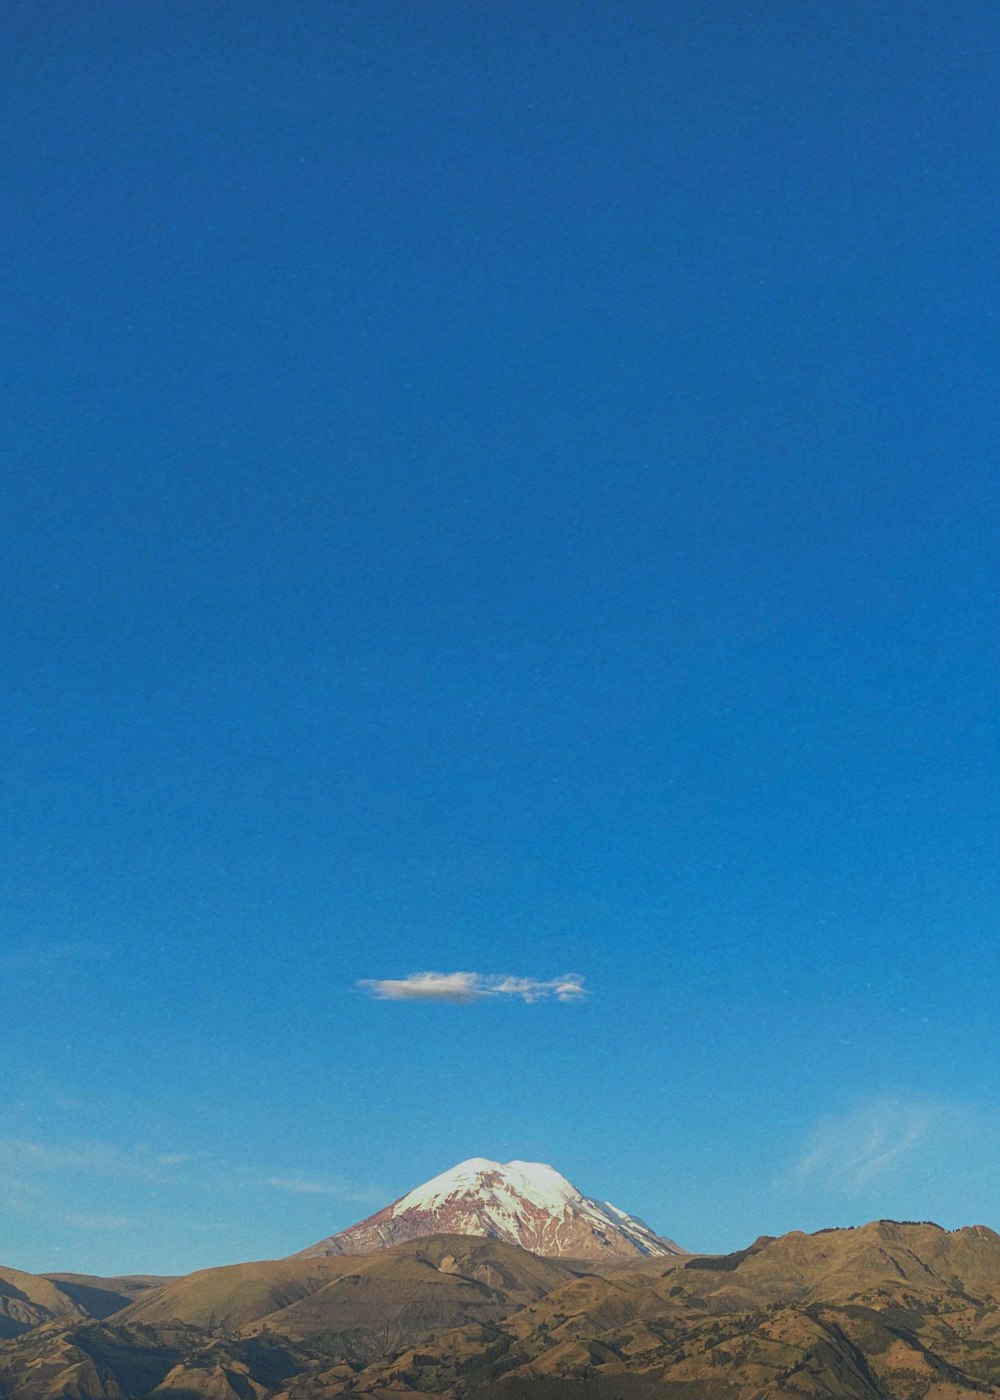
(523, 1203)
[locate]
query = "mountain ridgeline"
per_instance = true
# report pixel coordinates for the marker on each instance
(886, 1311)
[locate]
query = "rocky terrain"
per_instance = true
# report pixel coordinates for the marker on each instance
(887, 1311)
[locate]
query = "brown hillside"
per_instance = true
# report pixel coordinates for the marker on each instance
(28, 1300)
(885, 1312)
(102, 1361)
(853, 1312)
(366, 1304)
(100, 1297)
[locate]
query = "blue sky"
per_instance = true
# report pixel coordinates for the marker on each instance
(505, 490)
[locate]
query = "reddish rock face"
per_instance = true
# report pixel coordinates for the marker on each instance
(523, 1203)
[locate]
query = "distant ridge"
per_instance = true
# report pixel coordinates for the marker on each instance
(524, 1203)
(883, 1311)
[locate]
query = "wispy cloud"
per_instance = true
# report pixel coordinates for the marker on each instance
(102, 1158)
(461, 988)
(98, 1222)
(26, 1163)
(81, 1182)
(303, 1186)
(847, 1152)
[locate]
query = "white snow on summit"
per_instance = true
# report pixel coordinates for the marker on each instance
(532, 1181)
(439, 1188)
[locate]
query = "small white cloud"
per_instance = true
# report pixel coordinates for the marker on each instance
(568, 988)
(461, 988)
(426, 986)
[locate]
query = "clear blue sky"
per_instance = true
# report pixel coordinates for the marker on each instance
(501, 488)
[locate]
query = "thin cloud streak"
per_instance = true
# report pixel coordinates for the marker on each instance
(22, 1155)
(303, 1186)
(845, 1153)
(463, 988)
(25, 1162)
(99, 1222)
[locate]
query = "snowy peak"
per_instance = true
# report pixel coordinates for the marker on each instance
(543, 1184)
(463, 1177)
(524, 1203)
(532, 1181)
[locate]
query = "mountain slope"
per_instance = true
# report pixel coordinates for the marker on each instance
(360, 1306)
(28, 1300)
(101, 1361)
(887, 1311)
(910, 1312)
(524, 1203)
(100, 1297)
